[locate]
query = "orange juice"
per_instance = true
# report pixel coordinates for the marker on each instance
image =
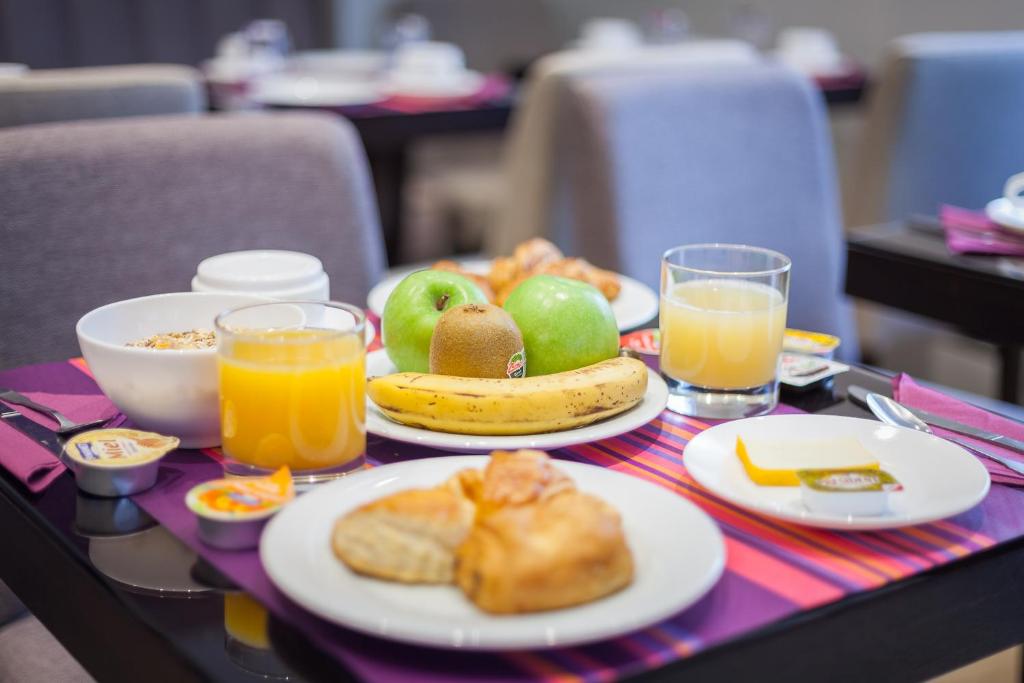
(722, 334)
(293, 397)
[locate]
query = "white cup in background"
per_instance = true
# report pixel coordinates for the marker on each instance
(1012, 191)
(427, 60)
(609, 33)
(809, 49)
(275, 274)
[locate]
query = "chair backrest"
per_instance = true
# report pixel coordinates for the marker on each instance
(735, 153)
(944, 125)
(97, 211)
(535, 200)
(51, 95)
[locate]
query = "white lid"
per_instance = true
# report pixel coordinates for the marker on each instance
(259, 271)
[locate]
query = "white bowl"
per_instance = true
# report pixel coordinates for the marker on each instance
(171, 392)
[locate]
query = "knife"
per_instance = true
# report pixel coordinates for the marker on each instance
(44, 437)
(859, 396)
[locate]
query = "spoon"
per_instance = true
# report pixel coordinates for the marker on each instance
(67, 425)
(892, 413)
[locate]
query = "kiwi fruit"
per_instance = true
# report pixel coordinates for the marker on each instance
(477, 340)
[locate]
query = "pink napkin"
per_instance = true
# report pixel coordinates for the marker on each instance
(29, 462)
(908, 392)
(971, 232)
(493, 87)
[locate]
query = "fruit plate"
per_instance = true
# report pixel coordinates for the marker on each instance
(636, 304)
(939, 478)
(654, 400)
(676, 564)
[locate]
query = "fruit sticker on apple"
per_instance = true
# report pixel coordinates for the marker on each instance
(412, 312)
(566, 324)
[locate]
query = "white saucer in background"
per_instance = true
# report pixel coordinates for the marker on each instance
(1003, 212)
(290, 90)
(461, 84)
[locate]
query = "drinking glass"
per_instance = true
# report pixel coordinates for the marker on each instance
(292, 378)
(723, 314)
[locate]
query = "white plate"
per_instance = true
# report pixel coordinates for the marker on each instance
(939, 478)
(314, 91)
(678, 551)
(635, 305)
(1003, 212)
(461, 85)
(378, 363)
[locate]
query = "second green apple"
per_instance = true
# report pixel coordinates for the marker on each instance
(566, 324)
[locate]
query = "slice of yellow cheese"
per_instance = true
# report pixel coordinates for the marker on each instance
(772, 462)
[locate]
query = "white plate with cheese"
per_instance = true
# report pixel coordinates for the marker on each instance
(939, 478)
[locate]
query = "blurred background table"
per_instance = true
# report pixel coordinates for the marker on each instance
(907, 266)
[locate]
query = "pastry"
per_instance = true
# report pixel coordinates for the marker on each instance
(479, 280)
(563, 550)
(409, 536)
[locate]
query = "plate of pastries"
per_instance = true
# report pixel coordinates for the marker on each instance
(507, 551)
(632, 302)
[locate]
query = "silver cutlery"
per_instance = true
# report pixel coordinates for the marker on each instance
(65, 425)
(859, 396)
(41, 435)
(892, 413)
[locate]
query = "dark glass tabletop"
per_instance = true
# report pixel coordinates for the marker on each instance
(130, 601)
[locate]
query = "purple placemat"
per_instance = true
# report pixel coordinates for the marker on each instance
(774, 569)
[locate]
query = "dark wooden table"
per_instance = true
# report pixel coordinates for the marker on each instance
(907, 266)
(909, 630)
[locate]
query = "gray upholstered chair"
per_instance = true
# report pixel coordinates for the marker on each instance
(704, 153)
(96, 211)
(100, 92)
(943, 125)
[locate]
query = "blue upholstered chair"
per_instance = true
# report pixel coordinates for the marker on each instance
(944, 125)
(729, 153)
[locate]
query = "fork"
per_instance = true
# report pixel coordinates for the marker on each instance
(66, 425)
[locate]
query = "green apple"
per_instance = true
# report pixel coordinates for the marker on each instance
(566, 324)
(412, 310)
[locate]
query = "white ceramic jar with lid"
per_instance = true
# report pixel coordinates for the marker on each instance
(272, 273)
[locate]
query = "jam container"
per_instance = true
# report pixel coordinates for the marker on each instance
(232, 512)
(116, 462)
(852, 492)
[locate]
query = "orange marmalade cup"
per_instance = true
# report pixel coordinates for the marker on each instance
(292, 380)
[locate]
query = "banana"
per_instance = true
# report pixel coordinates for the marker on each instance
(492, 407)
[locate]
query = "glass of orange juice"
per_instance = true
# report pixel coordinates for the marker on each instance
(723, 314)
(292, 378)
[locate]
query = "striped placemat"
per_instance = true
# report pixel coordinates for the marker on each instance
(773, 569)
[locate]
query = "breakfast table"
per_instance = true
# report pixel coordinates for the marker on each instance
(127, 587)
